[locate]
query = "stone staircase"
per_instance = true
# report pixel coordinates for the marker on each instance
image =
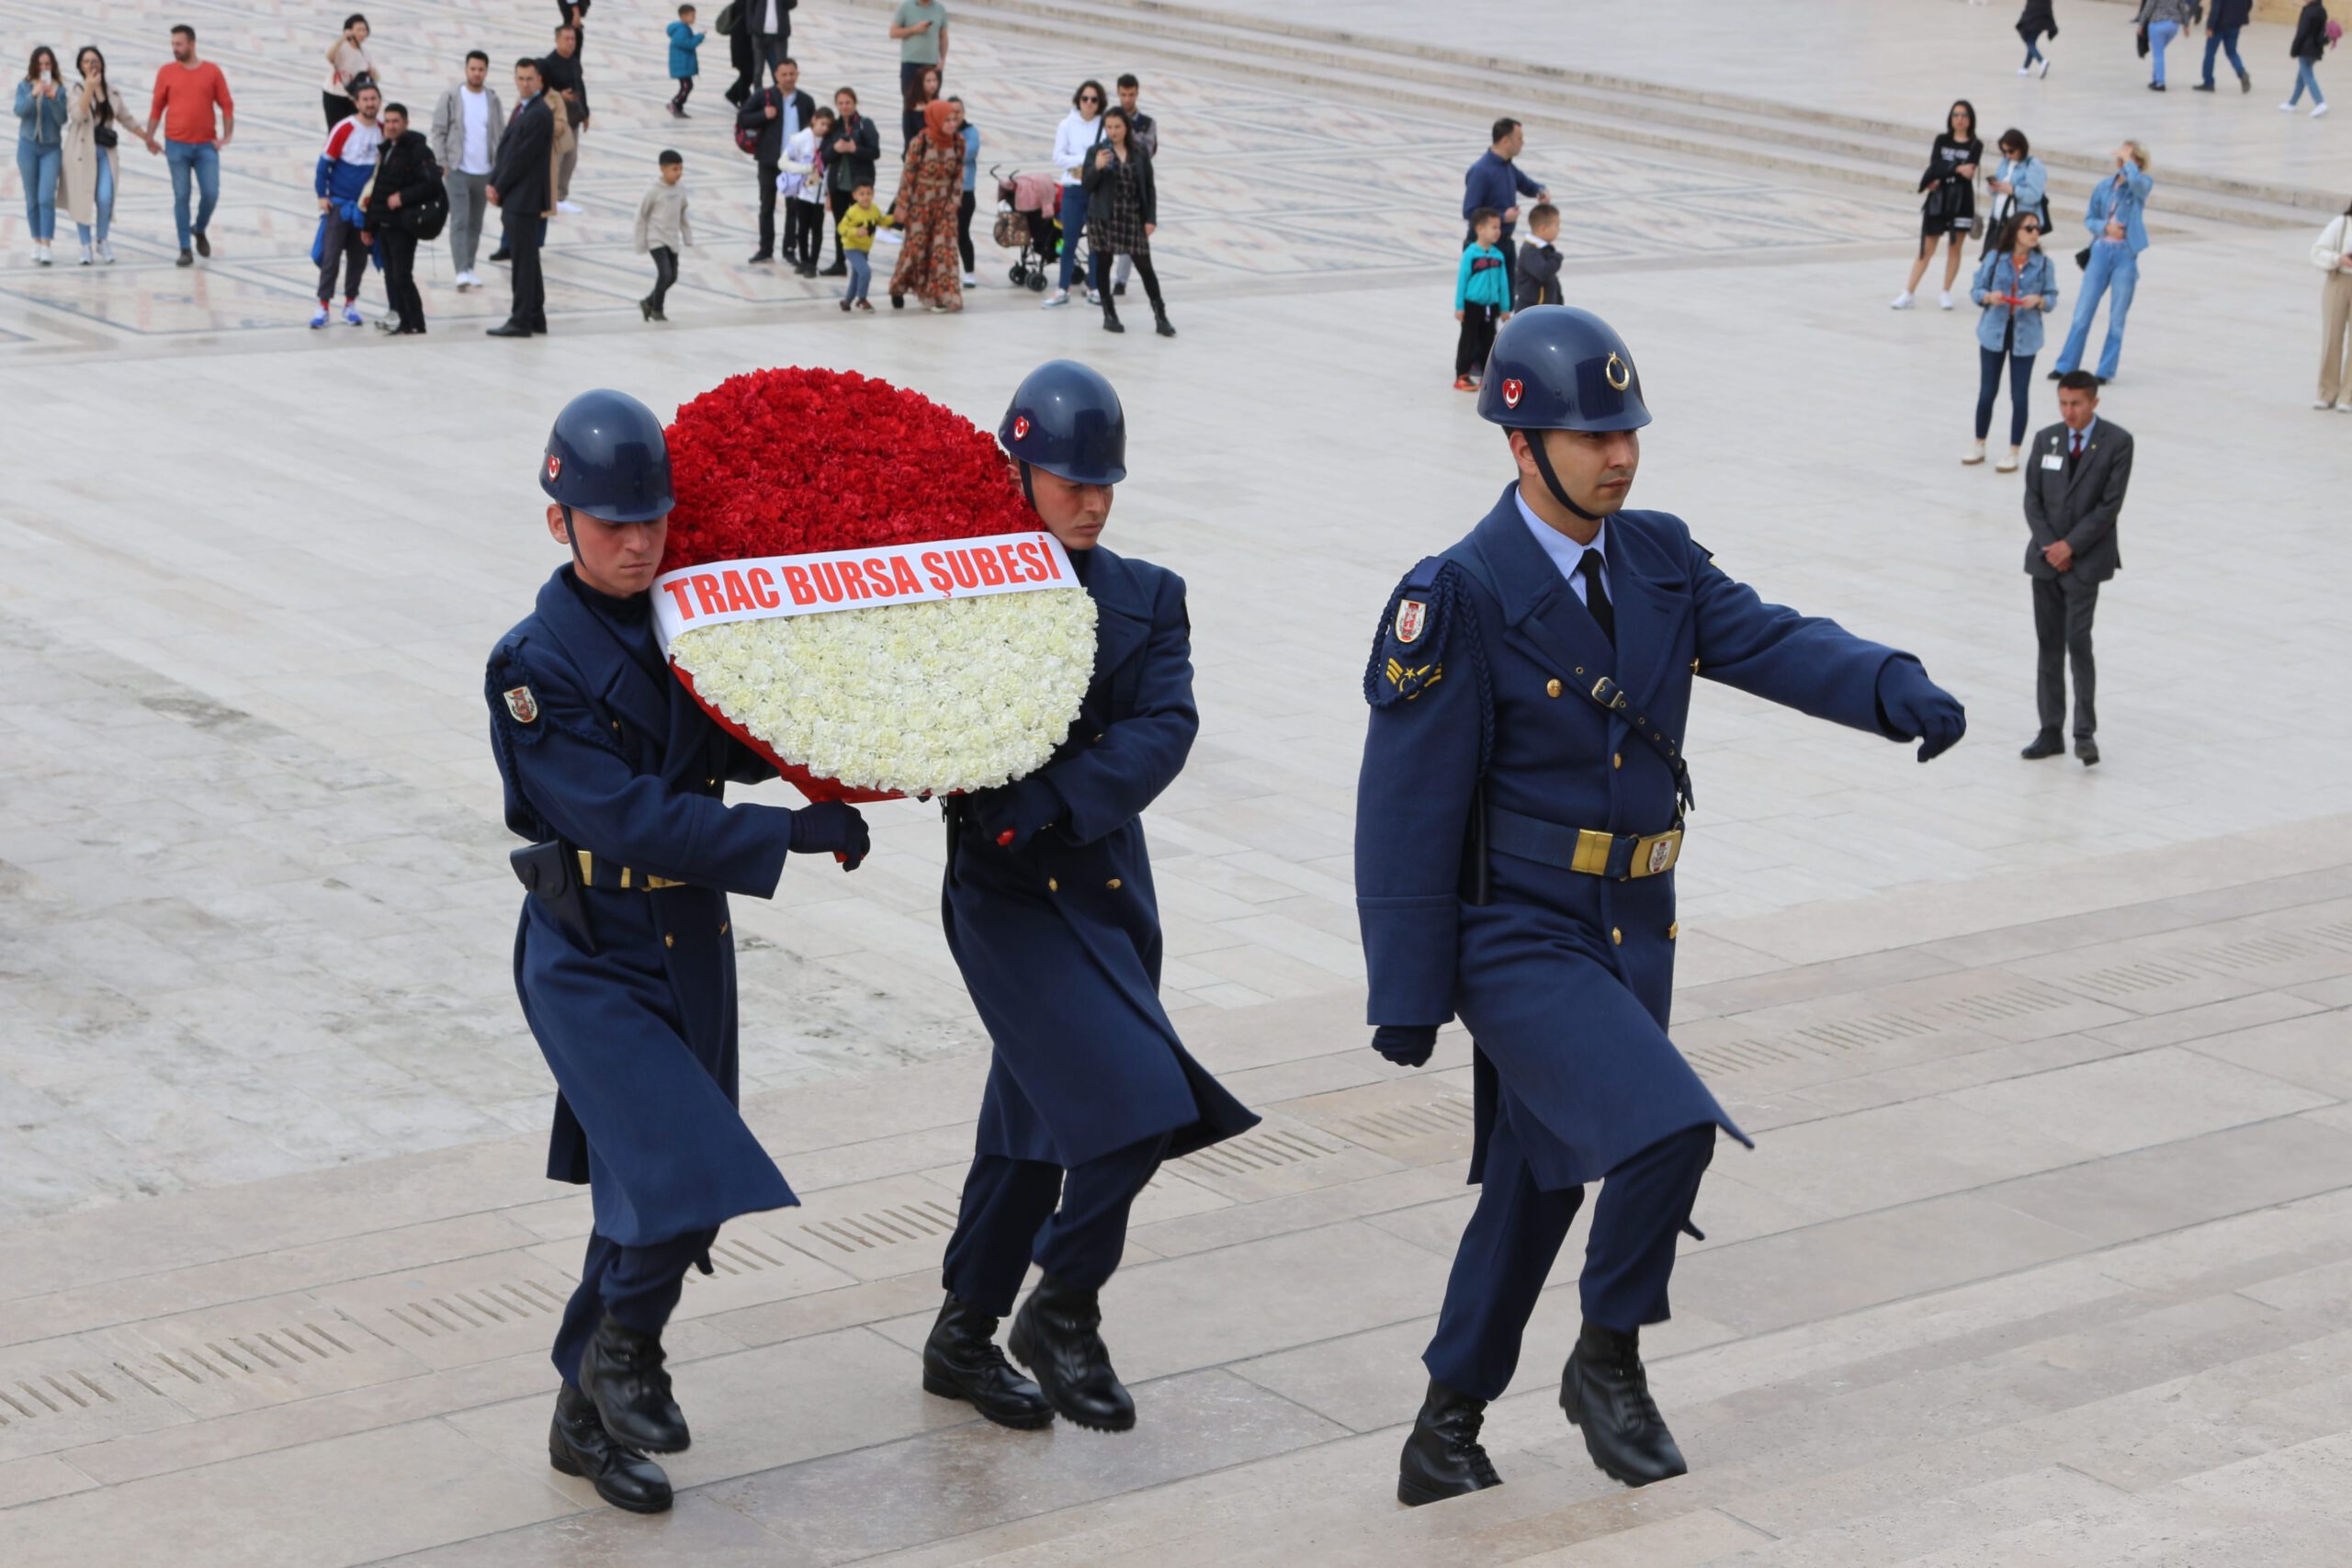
(1565, 102)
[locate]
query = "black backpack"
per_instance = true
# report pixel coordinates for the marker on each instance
(751, 120)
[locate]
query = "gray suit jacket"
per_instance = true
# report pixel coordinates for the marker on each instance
(449, 129)
(2079, 502)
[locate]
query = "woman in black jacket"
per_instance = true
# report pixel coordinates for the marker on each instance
(399, 200)
(1122, 210)
(2037, 21)
(1950, 207)
(2310, 42)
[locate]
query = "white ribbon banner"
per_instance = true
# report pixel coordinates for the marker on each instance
(773, 586)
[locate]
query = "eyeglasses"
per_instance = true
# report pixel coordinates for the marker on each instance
(1090, 98)
(2029, 228)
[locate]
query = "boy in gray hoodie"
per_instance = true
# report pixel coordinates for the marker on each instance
(661, 231)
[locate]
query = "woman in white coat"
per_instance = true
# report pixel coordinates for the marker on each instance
(96, 120)
(2333, 256)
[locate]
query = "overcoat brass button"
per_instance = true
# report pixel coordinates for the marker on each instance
(669, 941)
(1053, 884)
(1616, 759)
(1551, 688)
(722, 928)
(1112, 885)
(1616, 936)
(1673, 930)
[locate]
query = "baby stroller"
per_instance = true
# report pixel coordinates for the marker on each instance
(1026, 223)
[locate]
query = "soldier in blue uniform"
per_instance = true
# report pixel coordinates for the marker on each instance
(622, 957)
(1049, 912)
(1518, 820)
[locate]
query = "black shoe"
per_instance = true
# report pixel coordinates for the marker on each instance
(501, 253)
(1119, 290)
(806, 269)
(2155, 86)
(2087, 750)
(2245, 82)
(2202, 87)
(1606, 1395)
(507, 329)
(203, 246)
(2045, 744)
(839, 269)
(187, 257)
(761, 257)
(621, 1370)
(660, 315)
(960, 1361)
(645, 308)
(1111, 322)
(1443, 1457)
(1054, 1336)
(2053, 375)
(579, 1444)
(1160, 324)
(897, 301)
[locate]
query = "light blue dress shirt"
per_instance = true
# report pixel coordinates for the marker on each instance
(1566, 552)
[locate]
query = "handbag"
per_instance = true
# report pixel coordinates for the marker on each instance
(2083, 258)
(105, 136)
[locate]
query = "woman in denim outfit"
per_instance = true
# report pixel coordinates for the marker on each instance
(40, 145)
(2117, 236)
(2017, 287)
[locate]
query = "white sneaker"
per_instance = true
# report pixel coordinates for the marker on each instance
(2322, 403)
(463, 281)
(1946, 300)
(40, 255)
(2025, 70)
(1058, 297)
(2285, 108)
(1902, 301)
(2007, 465)
(571, 207)
(2045, 66)
(1973, 455)
(971, 280)
(105, 252)
(86, 253)
(2319, 111)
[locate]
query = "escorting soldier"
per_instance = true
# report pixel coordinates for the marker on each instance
(1049, 912)
(1517, 821)
(623, 960)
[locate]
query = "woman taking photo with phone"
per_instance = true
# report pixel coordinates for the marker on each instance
(347, 61)
(1950, 207)
(41, 146)
(96, 121)
(2016, 286)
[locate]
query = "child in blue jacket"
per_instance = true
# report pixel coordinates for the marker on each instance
(683, 41)
(1481, 297)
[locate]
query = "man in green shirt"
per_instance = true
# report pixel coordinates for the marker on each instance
(920, 28)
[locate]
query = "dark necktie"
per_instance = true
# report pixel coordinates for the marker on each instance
(1596, 597)
(2077, 455)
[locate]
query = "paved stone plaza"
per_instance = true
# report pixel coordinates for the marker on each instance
(2044, 1256)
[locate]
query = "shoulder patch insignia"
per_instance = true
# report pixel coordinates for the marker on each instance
(1412, 616)
(1411, 682)
(522, 704)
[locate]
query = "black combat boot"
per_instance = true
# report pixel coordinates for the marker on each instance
(960, 1361)
(1111, 322)
(621, 1371)
(579, 1444)
(1159, 322)
(1055, 1336)
(1443, 1457)
(1607, 1396)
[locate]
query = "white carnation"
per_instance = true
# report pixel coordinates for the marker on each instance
(953, 694)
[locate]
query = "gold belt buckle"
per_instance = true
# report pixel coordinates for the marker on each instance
(1656, 852)
(1591, 856)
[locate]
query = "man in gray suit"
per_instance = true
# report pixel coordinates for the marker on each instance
(2074, 492)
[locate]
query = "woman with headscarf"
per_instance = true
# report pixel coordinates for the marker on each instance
(927, 192)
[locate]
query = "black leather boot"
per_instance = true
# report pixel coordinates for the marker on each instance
(2045, 743)
(621, 1370)
(960, 1361)
(1443, 1457)
(1111, 322)
(1054, 1336)
(579, 1444)
(1160, 323)
(1606, 1394)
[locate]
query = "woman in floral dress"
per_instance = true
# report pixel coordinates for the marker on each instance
(929, 191)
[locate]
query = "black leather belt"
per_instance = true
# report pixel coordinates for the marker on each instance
(1617, 856)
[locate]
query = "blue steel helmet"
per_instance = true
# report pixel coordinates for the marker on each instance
(1064, 418)
(608, 456)
(1556, 367)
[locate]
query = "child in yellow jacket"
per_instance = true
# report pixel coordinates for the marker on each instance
(857, 226)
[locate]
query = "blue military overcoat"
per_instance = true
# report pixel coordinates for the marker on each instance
(600, 746)
(1563, 979)
(1059, 940)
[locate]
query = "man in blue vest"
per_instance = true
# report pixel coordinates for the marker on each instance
(623, 961)
(1050, 913)
(1518, 820)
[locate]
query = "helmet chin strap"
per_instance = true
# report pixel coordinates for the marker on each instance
(572, 538)
(1552, 479)
(1028, 490)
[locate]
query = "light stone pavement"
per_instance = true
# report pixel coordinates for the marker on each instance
(2044, 1256)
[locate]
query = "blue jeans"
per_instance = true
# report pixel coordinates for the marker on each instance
(861, 274)
(1989, 383)
(202, 160)
(36, 169)
(2160, 34)
(2113, 267)
(104, 202)
(2032, 52)
(2305, 77)
(2227, 39)
(1073, 229)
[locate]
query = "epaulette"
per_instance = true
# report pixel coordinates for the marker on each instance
(1408, 651)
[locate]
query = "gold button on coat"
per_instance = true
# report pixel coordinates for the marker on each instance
(1551, 688)
(1053, 884)
(1673, 930)
(669, 941)
(1616, 759)
(1616, 936)
(1112, 885)
(722, 928)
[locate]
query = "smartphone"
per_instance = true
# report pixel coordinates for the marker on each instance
(46, 78)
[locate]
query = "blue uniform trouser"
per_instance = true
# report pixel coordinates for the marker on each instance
(1514, 1235)
(2113, 268)
(639, 1285)
(2215, 43)
(1010, 1219)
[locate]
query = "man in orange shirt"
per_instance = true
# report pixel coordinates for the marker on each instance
(187, 91)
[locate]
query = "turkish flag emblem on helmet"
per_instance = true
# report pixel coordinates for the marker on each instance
(1513, 389)
(555, 465)
(1020, 426)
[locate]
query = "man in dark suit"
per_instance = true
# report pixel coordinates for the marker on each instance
(2074, 492)
(520, 188)
(779, 114)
